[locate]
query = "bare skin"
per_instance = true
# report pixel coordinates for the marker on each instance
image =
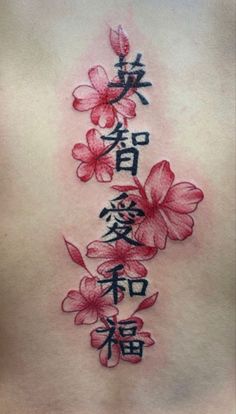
(47, 365)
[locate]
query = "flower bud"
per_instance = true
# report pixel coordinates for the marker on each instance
(119, 41)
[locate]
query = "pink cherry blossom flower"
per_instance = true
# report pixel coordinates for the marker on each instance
(92, 159)
(99, 338)
(119, 41)
(98, 96)
(166, 207)
(121, 253)
(88, 302)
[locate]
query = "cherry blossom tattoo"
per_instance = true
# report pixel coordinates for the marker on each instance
(139, 218)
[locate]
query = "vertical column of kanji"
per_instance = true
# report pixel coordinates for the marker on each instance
(122, 269)
(139, 220)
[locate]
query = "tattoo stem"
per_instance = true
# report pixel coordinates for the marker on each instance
(140, 187)
(88, 271)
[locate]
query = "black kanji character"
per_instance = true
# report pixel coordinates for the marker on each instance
(136, 138)
(130, 79)
(127, 347)
(126, 330)
(115, 287)
(134, 347)
(124, 216)
(117, 136)
(110, 339)
(132, 283)
(127, 160)
(121, 232)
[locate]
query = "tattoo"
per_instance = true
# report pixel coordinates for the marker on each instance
(129, 79)
(140, 219)
(124, 218)
(130, 154)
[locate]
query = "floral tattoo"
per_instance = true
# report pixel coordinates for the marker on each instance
(139, 218)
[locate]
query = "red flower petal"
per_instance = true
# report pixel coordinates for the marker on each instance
(121, 248)
(147, 303)
(114, 91)
(98, 78)
(183, 198)
(82, 153)
(97, 339)
(145, 337)
(104, 268)
(180, 226)
(107, 310)
(141, 253)
(85, 171)
(108, 159)
(152, 231)
(75, 254)
(134, 359)
(73, 302)
(74, 295)
(90, 289)
(115, 356)
(103, 115)
(87, 316)
(126, 107)
(141, 202)
(86, 98)
(123, 40)
(100, 249)
(103, 172)
(95, 142)
(158, 182)
(135, 269)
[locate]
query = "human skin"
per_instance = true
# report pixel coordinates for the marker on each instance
(47, 364)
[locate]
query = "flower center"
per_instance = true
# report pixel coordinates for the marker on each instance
(121, 257)
(104, 99)
(151, 210)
